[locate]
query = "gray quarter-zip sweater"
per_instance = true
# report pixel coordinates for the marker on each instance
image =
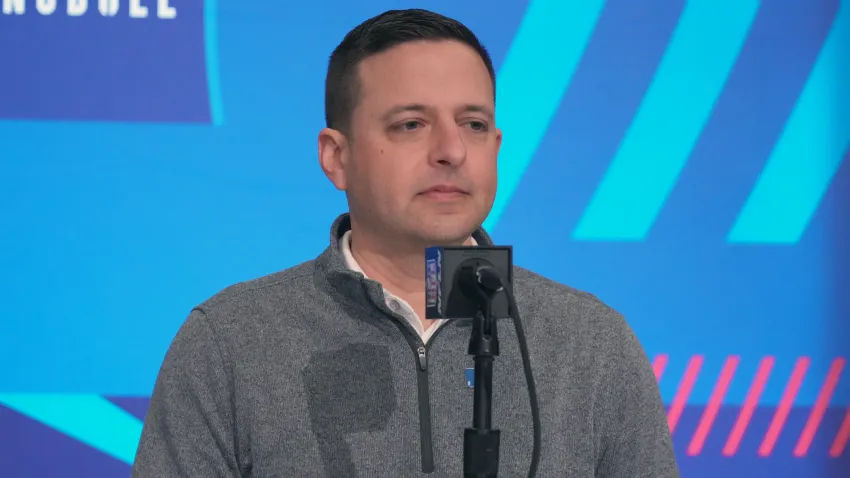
(307, 372)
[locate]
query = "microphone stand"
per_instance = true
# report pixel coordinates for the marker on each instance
(481, 443)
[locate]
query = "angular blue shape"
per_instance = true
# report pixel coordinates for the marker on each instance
(107, 68)
(746, 123)
(88, 418)
(679, 102)
(531, 83)
(808, 153)
(211, 50)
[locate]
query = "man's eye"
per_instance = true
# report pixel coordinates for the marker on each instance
(478, 125)
(409, 125)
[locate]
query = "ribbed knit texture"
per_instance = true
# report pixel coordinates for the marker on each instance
(307, 372)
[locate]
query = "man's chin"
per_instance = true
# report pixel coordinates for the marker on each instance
(446, 236)
(441, 227)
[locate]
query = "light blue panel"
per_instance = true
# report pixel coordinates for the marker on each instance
(808, 153)
(531, 83)
(213, 71)
(91, 419)
(677, 106)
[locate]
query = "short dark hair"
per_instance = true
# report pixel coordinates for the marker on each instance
(378, 34)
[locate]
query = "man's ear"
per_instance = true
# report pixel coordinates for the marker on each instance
(333, 155)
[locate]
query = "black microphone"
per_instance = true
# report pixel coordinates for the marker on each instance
(452, 276)
(476, 282)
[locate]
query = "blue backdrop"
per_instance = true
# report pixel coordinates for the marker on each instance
(681, 160)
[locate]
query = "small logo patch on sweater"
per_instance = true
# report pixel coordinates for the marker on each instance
(470, 377)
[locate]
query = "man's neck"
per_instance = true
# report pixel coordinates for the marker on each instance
(401, 270)
(398, 265)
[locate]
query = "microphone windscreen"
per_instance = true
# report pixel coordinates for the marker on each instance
(444, 298)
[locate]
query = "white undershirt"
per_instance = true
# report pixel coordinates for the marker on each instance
(396, 304)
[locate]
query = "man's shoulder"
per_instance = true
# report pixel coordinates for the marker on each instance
(540, 291)
(269, 291)
(575, 312)
(563, 314)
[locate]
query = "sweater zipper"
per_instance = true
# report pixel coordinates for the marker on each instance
(426, 439)
(425, 433)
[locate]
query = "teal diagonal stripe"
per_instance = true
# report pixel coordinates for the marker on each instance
(90, 419)
(213, 72)
(808, 153)
(537, 70)
(671, 117)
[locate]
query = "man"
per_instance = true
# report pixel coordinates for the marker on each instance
(330, 369)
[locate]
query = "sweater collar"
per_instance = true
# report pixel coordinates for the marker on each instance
(353, 285)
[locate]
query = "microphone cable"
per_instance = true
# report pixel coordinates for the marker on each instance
(488, 282)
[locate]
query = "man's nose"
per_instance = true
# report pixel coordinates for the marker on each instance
(448, 147)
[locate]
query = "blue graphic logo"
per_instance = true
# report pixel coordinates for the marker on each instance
(432, 286)
(110, 60)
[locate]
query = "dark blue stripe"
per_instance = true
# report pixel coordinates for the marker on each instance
(746, 463)
(529, 67)
(31, 449)
(671, 118)
(87, 418)
(807, 155)
(831, 226)
(617, 68)
(771, 72)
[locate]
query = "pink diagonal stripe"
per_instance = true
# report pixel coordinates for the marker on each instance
(842, 438)
(658, 366)
(713, 407)
(784, 407)
(819, 409)
(685, 387)
(750, 404)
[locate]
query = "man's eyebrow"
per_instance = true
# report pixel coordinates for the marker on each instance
(473, 108)
(469, 108)
(403, 108)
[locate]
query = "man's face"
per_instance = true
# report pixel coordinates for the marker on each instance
(423, 143)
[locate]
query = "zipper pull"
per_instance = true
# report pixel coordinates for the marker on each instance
(423, 358)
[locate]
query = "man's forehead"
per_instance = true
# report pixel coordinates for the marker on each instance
(423, 58)
(402, 77)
